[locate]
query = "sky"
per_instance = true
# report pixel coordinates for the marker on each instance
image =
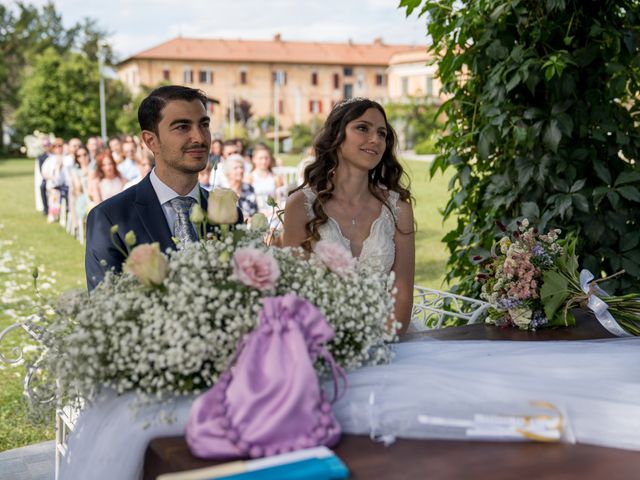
(135, 25)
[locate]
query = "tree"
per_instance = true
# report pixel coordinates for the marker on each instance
(27, 31)
(241, 111)
(61, 95)
(543, 123)
(127, 119)
(415, 120)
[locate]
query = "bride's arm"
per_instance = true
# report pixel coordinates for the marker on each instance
(404, 264)
(295, 219)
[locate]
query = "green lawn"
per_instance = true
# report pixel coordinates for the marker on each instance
(26, 241)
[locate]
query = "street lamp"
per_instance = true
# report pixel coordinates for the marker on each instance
(103, 111)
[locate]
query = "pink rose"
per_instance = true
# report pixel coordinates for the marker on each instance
(337, 258)
(147, 263)
(255, 268)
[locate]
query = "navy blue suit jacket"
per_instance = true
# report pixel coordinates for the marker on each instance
(135, 209)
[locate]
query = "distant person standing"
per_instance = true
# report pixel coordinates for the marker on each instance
(262, 179)
(127, 167)
(46, 146)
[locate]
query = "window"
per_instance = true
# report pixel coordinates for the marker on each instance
(314, 78)
(336, 81)
(279, 76)
(348, 91)
(166, 74)
(206, 76)
(405, 86)
(380, 79)
(315, 106)
(243, 77)
(280, 106)
(348, 71)
(187, 76)
(429, 86)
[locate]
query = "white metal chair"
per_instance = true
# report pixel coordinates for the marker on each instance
(434, 309)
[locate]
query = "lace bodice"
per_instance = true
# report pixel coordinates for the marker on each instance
(378, 249)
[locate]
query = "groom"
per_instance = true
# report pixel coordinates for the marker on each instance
(175, 127)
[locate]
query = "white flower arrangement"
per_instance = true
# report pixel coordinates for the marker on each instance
(176, 337)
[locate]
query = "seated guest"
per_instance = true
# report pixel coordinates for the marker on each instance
(262, 179)
(218, 178)
(107, 181)
(234, 171)
(127, 167)
(79, 192)
(205, 176)
(115, 147)
(54, 176)
(144, 164)
(215, 153)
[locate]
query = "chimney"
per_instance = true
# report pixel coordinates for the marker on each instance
(378, 41)
(277, 37)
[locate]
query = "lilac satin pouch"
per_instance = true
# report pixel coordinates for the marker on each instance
(270, 401)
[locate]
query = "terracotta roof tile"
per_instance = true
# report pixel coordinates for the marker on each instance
(277, 51)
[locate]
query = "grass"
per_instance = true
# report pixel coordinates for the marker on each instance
(26, 241)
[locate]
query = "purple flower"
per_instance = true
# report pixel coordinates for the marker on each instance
(537, 250)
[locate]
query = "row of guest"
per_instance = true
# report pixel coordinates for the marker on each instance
(86, 175)
(252, 177)
(76, 178)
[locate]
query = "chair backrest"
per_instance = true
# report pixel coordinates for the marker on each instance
(290, 175)
(434, 309)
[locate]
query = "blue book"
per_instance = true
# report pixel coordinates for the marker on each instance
(317, 463)
(328, 468)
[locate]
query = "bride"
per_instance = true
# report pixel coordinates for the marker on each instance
(352, 194)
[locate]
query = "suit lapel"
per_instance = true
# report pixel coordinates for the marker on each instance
(151, 215)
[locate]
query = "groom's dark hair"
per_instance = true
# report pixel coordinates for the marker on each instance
(150, 110)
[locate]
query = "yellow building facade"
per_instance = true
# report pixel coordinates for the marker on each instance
(295, 81)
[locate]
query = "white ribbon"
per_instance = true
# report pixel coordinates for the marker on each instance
(598, 307)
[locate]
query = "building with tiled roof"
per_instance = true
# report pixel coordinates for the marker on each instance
(312, 75)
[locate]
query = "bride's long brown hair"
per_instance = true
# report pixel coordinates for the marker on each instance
(318, 175)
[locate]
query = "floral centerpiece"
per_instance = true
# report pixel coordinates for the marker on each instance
(532, 281)
(170, 323)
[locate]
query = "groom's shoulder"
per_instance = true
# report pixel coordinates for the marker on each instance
(121, 201)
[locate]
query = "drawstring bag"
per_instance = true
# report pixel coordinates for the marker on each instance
(270, 401)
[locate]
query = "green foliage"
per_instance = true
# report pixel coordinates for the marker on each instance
(543, 123)
(302, 135)
(61, 95)
(127, 118)
(25, 32)
(416, 120)
(427, 146)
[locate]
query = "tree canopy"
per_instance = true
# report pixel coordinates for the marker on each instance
(27, 31)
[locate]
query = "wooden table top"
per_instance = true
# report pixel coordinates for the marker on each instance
(439, 459)
(587, 328)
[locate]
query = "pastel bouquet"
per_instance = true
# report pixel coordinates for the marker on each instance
(171, 322)
(532, 280)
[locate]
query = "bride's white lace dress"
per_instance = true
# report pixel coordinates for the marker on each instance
(378, 249)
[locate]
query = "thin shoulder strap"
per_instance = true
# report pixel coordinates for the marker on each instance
(309, 198)
(393, 202)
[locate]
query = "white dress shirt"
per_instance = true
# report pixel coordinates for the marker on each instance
(165, 194)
